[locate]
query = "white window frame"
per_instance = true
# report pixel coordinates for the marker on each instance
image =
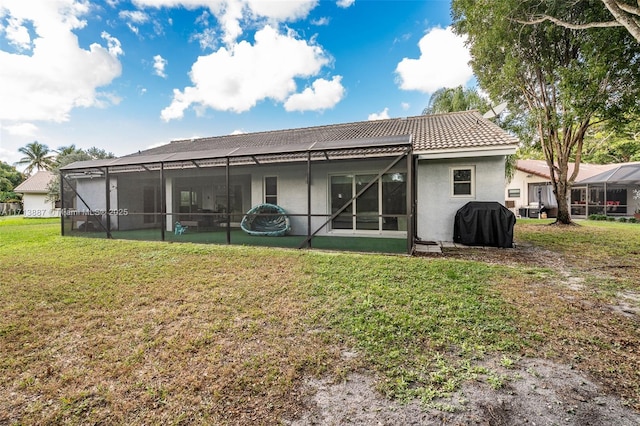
(472, 182)
(264, 188)
(513, 192)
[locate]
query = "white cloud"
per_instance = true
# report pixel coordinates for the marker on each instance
(133, 28)
(135, 16)
(345, 3)
(320, 22)
(323, 94)
(444, 62)
(236, 79)
(22, 129)
(203, 19)
(383, 115)
(115, 48)
(231, 13)
(58, 75)
(17, 34)
(405, 106)
(158, 65)
(207, 39)
(238, 132)
(281, 11)
(103, 100)
(9, 157)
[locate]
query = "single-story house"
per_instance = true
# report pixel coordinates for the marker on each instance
(393, 181)
(35, 195)
(530, 188)
(614, 192)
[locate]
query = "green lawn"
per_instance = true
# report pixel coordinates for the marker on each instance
(133, 332)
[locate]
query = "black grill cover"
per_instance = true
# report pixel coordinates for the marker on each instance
(484, 224)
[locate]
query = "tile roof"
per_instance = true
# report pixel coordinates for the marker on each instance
(36, 183)
(540, 168)
(429, 132)
(466, 130)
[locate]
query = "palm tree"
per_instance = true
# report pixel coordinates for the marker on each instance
(66, 150)
(99, 154)
(37, 156)
(455, 99)
(463, 99)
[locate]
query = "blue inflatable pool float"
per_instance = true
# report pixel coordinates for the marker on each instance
(267, 220)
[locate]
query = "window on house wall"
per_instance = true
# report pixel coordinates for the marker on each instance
(151, 204)
(513, 193)
(188, 198)
(271, 189)
(463, 181)
(188, 203)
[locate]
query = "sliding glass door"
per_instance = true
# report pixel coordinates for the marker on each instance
(382, 206)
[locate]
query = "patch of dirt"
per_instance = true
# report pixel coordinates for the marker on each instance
(540, 393)
(627, 303)
(523, 254)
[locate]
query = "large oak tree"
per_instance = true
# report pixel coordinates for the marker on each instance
(562, 79)
(623, 13)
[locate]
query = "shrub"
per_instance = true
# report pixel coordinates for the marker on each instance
(622, 219)
(597, 217)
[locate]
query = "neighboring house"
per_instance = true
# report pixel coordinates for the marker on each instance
(34, 192)
(531, 186)
(614, 192)
(401, 178)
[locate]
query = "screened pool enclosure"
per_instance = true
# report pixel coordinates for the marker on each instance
(615, 192)
(346, 195)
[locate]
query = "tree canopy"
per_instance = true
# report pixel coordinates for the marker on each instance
(604, 145)
(563, 80)
(10, 177)
(623, 13)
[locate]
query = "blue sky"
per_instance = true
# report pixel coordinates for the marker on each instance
(128, 75)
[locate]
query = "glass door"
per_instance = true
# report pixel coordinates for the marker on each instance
(367, 206)
(341, 192)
